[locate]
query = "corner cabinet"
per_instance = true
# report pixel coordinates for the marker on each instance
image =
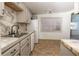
(1, 8)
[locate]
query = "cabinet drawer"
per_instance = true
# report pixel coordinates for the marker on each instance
(23, 42)
(12, 51)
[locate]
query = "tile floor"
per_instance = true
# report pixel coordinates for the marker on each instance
(46, 48)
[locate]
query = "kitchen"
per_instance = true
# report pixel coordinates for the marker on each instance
(38, 29)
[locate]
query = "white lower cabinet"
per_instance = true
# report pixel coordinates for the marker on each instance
(21, 48)
(14, 51)
(25, 50)
(26, 47)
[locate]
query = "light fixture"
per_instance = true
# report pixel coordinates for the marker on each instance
(49, 11)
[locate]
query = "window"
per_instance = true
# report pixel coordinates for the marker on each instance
(50, 24)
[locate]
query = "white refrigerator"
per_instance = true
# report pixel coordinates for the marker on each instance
(34, 24)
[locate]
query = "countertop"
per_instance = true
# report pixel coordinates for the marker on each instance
(7, 42)
(72, 45)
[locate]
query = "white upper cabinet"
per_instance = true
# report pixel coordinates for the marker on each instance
(21, 16)
(13, 5)
(25, 15)
(28, 15)
(1, 8)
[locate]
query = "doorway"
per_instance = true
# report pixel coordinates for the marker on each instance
(74, 31)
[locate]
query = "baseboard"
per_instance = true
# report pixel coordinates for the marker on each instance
(49, 39)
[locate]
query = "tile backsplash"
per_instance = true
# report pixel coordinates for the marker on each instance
(7, 21)
(22, 27)
(3, 29)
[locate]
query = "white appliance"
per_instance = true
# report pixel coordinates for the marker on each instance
(34, 36)
(35, 28)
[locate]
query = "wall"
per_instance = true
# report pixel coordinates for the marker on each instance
(7, 20)
(65, 28)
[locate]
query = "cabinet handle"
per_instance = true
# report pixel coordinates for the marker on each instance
(13, 52)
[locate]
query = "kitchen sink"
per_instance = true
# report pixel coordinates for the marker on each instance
(20, 35)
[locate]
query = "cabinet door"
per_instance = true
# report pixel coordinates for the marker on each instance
(1, 8)
(32, 41)
(21, 16)
(29, 43)
(25, 50)
(25, 15)
(28, 16)
(26, 47)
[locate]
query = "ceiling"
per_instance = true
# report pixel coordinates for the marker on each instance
(49, 7)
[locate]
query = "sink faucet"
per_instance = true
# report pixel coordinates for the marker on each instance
(16, 31)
